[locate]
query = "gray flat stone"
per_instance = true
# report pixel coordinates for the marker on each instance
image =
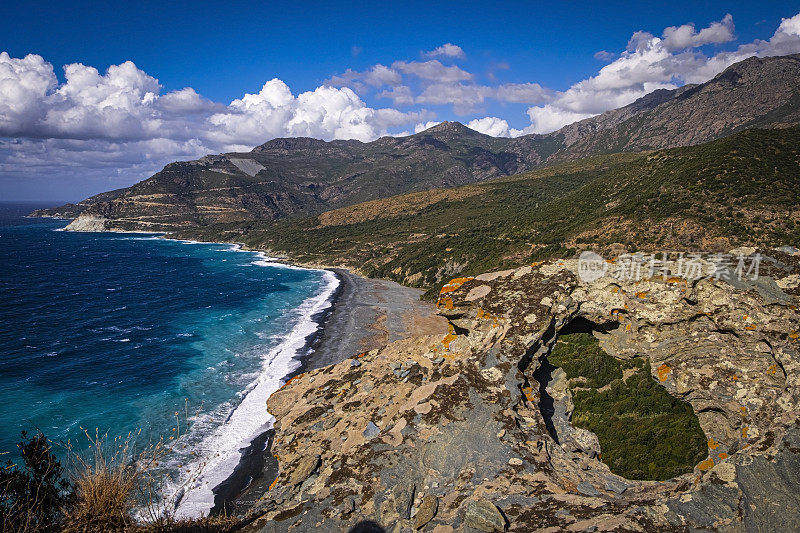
(371, 431)
(586, 488)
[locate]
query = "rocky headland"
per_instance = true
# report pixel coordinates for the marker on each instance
(463, 432)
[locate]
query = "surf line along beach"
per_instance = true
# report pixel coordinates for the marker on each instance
(350, 315)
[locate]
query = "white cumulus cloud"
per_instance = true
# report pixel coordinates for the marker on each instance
(400, 95)
(432, 70)
(23, 85)
(686, 36)
(325, 113)
(422, 126)
(466, 98)
(377, 76)
(118, 123)
(496, 127)
(447, 50)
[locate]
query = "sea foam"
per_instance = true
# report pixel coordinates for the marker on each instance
(219, 451)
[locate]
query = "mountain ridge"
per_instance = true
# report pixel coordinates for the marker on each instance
(301, 176)
(740, 190)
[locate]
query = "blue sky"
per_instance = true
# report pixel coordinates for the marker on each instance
(508, 70)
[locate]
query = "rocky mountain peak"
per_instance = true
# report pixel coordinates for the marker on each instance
(290, 143)
(755, 93)
(451, 128)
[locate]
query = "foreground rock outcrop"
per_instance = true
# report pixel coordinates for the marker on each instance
(448, 434)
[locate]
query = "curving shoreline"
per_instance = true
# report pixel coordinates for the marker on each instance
(365, 314)
(219, 452)
(255, 461)
(358, 315)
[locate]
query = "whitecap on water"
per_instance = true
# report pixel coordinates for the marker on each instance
(217, 445)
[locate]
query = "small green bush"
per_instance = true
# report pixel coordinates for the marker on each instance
(33, 495)
(581, 357)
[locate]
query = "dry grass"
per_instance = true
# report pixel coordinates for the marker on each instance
(106, 479)
(115, 479)
(110, 485)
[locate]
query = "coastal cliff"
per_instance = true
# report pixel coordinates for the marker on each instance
(477, 430)
(87, 223)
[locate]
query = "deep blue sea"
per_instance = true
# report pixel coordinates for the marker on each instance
(119, 332)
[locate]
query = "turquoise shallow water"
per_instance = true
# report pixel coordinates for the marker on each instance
(120, 331)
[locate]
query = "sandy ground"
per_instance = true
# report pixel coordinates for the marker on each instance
(371, 313)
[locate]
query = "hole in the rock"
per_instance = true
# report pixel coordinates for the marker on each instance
(525, 361)
(644, 432)
(543, 376)
(584, 325)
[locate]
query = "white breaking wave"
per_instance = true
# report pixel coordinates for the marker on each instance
(218, 453)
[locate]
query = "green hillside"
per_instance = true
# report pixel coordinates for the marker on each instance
(736, 190)
(303, 176)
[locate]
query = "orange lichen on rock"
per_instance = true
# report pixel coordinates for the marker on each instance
(272, 485)
(708, 464)
(642, 295)
(529, 394)
(290, 380)
(453, 285)
(744, 432)
(750, 327)
(722, 456)
(712, 444)
(487, 316)
(663, 372)
(772, 369)
(445, 302)
(450, 337)
(794, 335)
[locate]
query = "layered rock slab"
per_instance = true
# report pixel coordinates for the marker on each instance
(458, 419)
